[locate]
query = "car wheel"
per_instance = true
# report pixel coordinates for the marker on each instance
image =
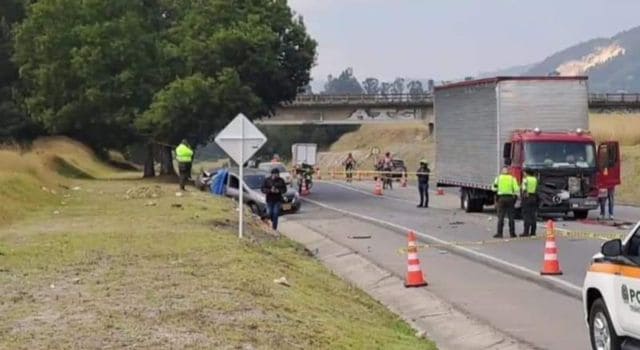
(254, 208)
(603, 336)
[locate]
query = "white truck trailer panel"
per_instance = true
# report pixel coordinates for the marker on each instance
(304, 153)
(473, 120)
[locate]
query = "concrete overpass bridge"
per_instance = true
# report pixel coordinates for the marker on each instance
(393, 108)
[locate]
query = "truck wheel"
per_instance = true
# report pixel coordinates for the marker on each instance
(601, 331)
(466, 203)
(580, 214)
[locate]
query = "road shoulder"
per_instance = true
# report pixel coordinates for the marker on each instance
(425, 312)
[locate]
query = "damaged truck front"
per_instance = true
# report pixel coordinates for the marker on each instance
(525, 123)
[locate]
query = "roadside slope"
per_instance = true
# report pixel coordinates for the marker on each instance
(123, 262)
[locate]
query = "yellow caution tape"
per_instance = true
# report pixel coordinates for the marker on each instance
(558, 233)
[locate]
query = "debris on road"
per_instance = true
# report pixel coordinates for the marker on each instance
(454, 223)
(359, 237)
(282, 281)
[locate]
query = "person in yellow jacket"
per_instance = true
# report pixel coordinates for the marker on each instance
(529, 203)
(184, 156)
(507, 189)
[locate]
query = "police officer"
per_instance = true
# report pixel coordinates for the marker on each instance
(529, 203)
(506, 187)
(423, 183)
(184, 156)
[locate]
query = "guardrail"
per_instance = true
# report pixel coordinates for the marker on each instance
(595, 99)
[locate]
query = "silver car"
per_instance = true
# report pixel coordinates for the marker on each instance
(253, 196)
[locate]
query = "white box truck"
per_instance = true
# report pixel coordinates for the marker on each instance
(525, 123)
(304, 153)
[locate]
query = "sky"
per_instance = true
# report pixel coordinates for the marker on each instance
(451, 39)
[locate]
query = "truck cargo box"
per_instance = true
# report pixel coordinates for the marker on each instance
(473, 120)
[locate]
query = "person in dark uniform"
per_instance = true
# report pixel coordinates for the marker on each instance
(274, 188)
(423, 183)
(349, 165)
(529, 203)
(506, 187)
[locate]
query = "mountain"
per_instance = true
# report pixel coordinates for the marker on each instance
(612, 64)
(515, 70)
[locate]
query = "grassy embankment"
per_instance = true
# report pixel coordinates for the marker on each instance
(411, 143)
(88, 263)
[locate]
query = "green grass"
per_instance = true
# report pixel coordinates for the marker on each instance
(153, 270)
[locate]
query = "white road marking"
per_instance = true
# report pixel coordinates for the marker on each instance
(499, 261)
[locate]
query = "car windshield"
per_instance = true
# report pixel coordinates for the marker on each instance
(558, 154)
(254, 182)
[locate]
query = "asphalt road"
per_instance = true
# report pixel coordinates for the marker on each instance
(545, 313)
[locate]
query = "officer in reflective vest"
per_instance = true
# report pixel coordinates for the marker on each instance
(184, 156)
(506, 187)
(529, 203)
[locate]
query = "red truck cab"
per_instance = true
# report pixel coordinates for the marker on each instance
(569, 168)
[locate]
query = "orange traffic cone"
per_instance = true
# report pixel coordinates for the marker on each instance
(551, 265)
(404, 180)
(440, 192)
(415, 278)
(305, 189)
(378, 189)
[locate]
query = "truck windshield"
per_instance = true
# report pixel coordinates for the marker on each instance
(558, 154)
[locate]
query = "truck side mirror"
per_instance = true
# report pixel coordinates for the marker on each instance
(612, 248)
(506, 153)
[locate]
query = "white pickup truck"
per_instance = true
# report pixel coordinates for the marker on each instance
(611, 294)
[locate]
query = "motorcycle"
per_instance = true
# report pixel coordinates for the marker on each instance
(304, 175)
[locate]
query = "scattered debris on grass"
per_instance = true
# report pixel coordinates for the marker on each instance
(282, 281)
(144, 192)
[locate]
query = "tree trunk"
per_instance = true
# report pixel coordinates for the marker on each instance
(166, 161)
(149, 163)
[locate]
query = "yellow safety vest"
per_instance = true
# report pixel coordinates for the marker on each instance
(506, 185)
(530, 184)
(183, 154)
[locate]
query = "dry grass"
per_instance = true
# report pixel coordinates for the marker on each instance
(128, 264)
(623, 127)
(410, 142)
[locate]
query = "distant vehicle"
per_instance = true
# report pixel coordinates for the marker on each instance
(399, 169)
(523, 123)
(611, 294)
(304, 153)
(284, 173)
(253, 196)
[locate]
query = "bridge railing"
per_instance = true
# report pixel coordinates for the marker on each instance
(362, 99)
(614, 98)
(595, 99)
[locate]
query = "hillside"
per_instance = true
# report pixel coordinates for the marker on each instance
(95, 257)
(612, 64)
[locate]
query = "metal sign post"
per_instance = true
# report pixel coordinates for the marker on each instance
(240, 139)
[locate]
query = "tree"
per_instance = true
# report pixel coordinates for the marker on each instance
(88, 67)
(398, 86)
(14, 122)
(415, 88)
(385, 88)
(117, 71)
(371, 86)
(228, 57)
(345, 84)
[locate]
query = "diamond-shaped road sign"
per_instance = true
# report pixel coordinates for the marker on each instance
(241, 139)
